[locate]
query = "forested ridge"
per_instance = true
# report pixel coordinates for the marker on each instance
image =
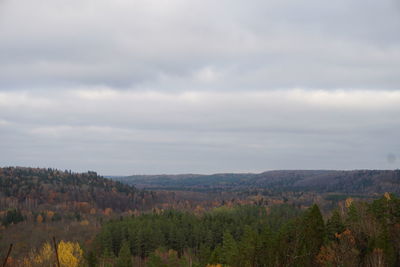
(38, 203)
(28, 188)
(357, 181)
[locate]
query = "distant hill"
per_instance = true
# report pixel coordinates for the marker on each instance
(357, 181)
(31, 188)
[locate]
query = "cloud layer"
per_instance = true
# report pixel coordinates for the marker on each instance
(205, 86)
(117, 131)
(187, 45)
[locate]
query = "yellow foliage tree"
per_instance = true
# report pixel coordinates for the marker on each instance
(349, 201)
(45, 255)
(70, 254)
(26, 262)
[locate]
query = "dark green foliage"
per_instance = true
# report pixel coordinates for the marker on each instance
(229, 250)
(243, 236)
(313, 233)
(155, 261)
(57, 217)
(204, 254)
(216, 255)
(299, 240)
(334, 225)
(267, 245)
(281, 214)
(235, 237)
(91, 259)
(353, 215)
(164, 258)
(250, 248)
(386, 211)
(124, 257)
(12, 216)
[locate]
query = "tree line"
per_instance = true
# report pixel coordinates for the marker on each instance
(358, 234)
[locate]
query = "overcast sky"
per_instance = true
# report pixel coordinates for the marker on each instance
(199, 86)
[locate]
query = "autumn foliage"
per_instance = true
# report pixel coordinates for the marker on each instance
(69, 253)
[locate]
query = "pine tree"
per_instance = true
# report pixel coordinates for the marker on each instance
(249, 248)
(154, 260)
(91, 259)
(217, 255)
(313, 227)
(267, 245)
(13, 216)
(352, 215)
(334, 225)
(124, 256)
(204, 254)
(229, 249)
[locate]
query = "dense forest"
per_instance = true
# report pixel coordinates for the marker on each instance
(361, 234)
(37, 203)
(358, 181)
(29, 188)
(101, 222)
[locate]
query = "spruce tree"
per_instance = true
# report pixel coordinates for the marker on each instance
(249, 247)
(334, 225)
(229, 249)
(124, 256)
(91, 259)
(313, 227)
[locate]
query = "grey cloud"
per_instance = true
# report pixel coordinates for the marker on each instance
(150, 132)
(259, 45)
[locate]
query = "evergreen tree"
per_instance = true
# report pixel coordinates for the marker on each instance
(91, 259)
(229, 249)
(313, 224)
(216, 255)
(267, 245)
(13, 216)
(155, 261)
(334, 225)
(352, 215)
(204, 254)
(124, 256)
(249, 248)
(107, 255)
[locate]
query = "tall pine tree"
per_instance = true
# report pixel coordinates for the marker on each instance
(124, 256)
